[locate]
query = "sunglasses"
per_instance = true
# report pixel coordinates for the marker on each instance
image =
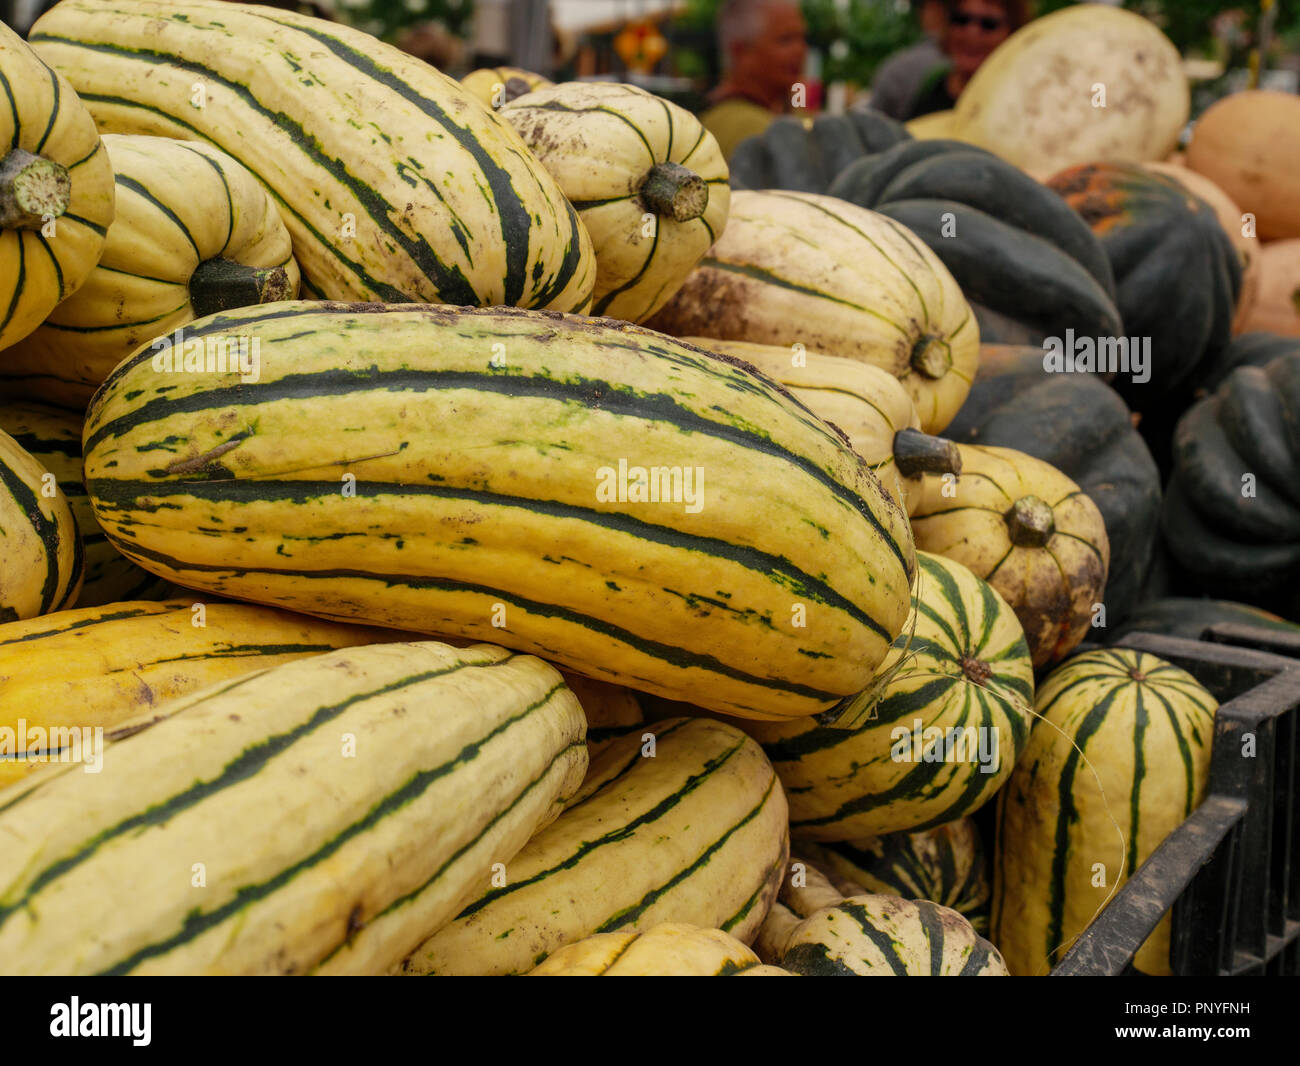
(988, 23)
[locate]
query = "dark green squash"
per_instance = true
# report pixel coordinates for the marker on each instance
(1028, 265)
(806, 154)
(1082, 427)
(1246, 349)
(1188, 617)
(1232, 507)
(1177, 274)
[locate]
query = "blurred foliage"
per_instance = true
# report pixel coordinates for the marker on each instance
(1190, 24)
(387, 18)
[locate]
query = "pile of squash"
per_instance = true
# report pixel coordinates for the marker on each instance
(597, 559)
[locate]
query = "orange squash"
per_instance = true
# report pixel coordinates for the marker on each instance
(1249, 145)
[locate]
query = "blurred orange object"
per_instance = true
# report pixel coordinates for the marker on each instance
(640, 45)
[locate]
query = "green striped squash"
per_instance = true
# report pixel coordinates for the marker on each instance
(1120, 758)
(647, 179)
(950, 719)
(611, 710)
(671, 949)
(394, 181)
(368, 474)
(815, 931)
(945, 865)
(801, 268)
(394, 776)
(194, 233)
(52, 436)
(117, 667)
(56, 190)
(695, 832)
(41, 559)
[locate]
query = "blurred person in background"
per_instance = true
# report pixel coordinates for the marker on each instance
(970, 30)
(763, 52)
(900, 77)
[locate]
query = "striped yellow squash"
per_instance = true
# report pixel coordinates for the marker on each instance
(801, 268)
(945, 864)
(52, 436)
(318, 817)
(814, 931)
(494, 86)
(689, 826)
(868, 404)
(473, 473)
(394, 182)
(41, 559)
(1119, 760)
(647, 179)
(116, 666)
(56, 190)
(950, 719)
(194, 233)
(671, 949)
(1031, 532)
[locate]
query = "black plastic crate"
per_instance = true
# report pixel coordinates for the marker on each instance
(1231, 871)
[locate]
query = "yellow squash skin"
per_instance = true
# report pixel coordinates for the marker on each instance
(695, 833)
(801, 268)
(815, 931)
(648, 181)
(41, 559)
(1030, 532)
(1120, 760)
(385, 468)
(395, 183)
(179, 204)
(868, 404)
(671, 949)
(1036, 100)
(493, 86)
(54, 238)
(960, 664)
(457, 757)
(117, 666)
(52, 436)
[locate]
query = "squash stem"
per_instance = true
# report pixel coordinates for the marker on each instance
(917, 453)
(33, 189)
(222, 284)
(1030, 522)
(930, 356)
(672, 191)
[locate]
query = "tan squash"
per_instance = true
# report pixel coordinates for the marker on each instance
(1277, 305)
(1249, 145)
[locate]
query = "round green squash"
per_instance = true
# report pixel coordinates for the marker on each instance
(1177, 274)
(1231, 516)
(1080, 426)
(945, 865)
(1247, 349)
(805, 154)
(1118, 761)
(1028, 265)
(943, 734)
(815, 931)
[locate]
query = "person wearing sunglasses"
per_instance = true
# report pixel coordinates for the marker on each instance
(971, 30)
